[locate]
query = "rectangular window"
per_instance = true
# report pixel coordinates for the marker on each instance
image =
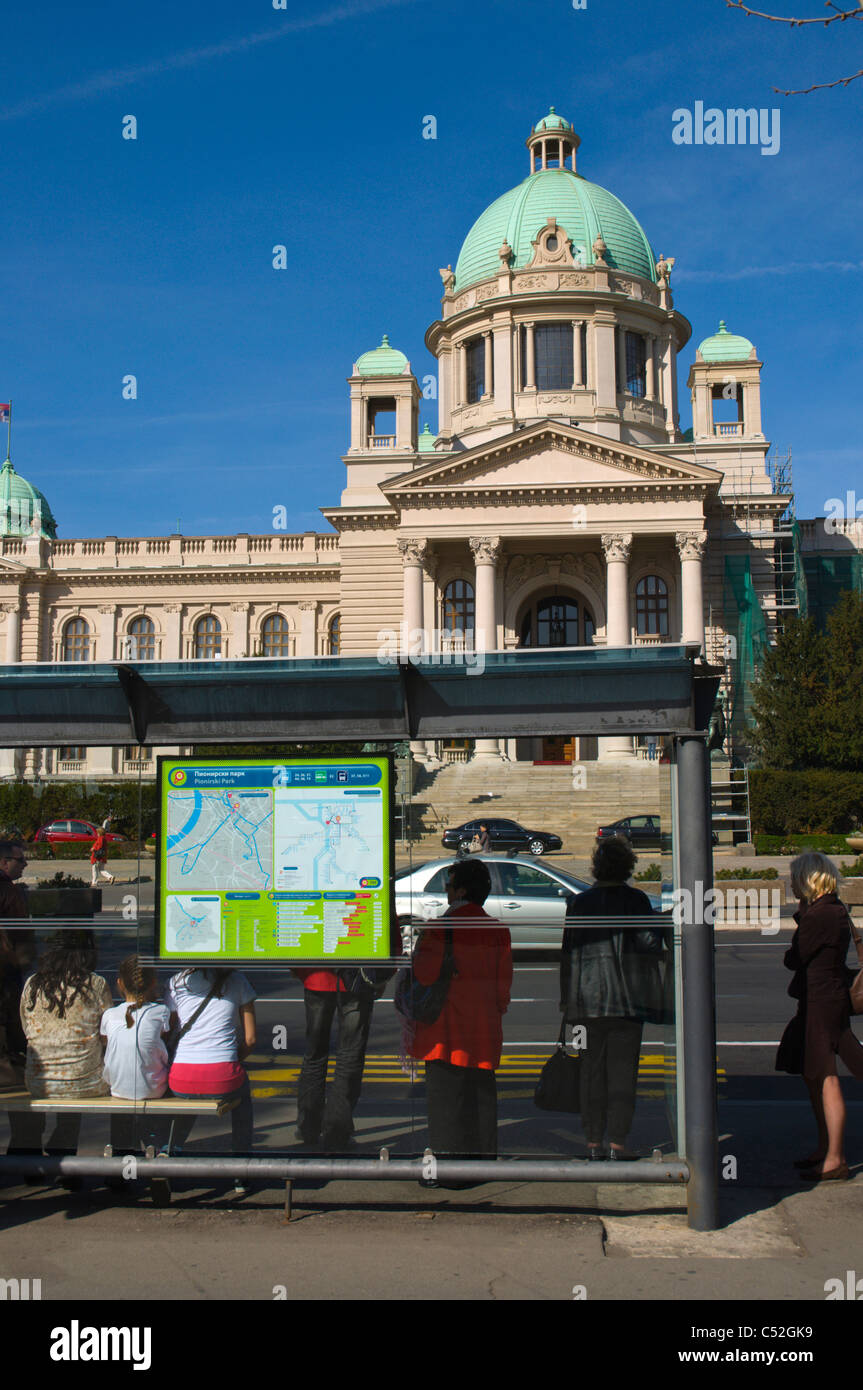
(636, 379)
(583, 331)
(475, 355)
(553, 347)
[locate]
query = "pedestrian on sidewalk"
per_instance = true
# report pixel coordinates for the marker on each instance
(611, 985)
(461, 1048)
(821, 1029)
(99, 858)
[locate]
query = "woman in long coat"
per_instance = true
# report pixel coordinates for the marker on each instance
(611, 983)
(821, 1029)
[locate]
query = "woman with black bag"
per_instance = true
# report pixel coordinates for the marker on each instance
(821, 1029)
(611, 984)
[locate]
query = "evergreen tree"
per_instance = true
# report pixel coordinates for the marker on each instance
(788, 699)
(842, 722)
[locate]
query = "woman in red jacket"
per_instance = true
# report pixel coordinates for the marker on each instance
(461, 1049)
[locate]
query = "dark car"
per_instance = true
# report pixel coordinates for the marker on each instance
(502, 834)
(642, 831)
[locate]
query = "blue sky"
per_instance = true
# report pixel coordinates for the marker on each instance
(303, 126)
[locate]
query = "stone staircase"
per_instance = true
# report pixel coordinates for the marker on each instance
(570, 801)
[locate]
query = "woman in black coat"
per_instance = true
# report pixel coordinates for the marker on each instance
(821, 1029)
(611, 983)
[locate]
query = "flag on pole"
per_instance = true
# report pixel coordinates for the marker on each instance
(5, 413)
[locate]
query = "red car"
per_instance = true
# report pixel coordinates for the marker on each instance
(59, 832)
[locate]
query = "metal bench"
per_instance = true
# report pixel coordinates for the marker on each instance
(160, 1190)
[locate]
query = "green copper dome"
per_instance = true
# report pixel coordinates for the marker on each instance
(726, 347)
(382, 361)
(552, 122)
(20, 504)
(582, 209)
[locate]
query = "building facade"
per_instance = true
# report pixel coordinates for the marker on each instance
(559, 503)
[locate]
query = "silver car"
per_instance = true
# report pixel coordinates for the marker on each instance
(528, 897)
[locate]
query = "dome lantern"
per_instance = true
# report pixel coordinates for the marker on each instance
(551, 143)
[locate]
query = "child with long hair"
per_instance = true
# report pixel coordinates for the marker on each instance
(136, 1056)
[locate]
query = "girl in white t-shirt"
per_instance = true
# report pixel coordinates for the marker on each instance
(215, 1011)
(136, 1056)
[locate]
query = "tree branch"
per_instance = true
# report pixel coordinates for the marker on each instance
(796, 23)
(819, 86)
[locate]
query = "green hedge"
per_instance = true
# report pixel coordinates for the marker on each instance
(746, 873)
(29, 807)
(796, 844)
(819, 803)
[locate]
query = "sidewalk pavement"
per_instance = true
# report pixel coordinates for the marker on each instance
(396, 1241)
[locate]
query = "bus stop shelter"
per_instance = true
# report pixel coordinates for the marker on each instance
(662, 691)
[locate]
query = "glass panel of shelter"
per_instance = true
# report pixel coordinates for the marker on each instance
(390, 1096)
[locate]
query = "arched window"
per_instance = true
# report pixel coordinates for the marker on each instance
(334, 635)
(76, 640)
(276, 636)
(459, 607)
(140, 643)
(651, 606)
(558, 622)
(208, 638)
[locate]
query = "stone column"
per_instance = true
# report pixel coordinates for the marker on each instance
(502, 367)
(106, 638)
(669, 391)
(486, 553)
(604, 380)
(691, 547)
(445, 389)
(577, 365)
(414, 553)
(618, 630)
(239, 635)
(650, 370)
(462, 374)
(308, 627)
(172, 640)
(530, 357)
(13, 631)
(488, 390)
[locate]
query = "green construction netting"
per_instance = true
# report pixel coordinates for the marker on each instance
(747, 625)
(827, 576)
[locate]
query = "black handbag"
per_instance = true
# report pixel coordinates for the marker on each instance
(424, 1003)
(368, 981)
(559, 1085)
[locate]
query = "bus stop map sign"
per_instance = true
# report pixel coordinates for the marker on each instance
(259, 861)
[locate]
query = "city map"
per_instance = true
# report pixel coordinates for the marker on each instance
(285, 862)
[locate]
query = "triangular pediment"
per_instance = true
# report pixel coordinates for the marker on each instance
(551, 457)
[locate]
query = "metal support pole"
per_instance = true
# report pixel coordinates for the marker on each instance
(289, 1170)
(699, 994)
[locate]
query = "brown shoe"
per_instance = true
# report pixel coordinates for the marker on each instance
(839, 1174)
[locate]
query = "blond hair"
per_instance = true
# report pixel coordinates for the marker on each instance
(813, 875)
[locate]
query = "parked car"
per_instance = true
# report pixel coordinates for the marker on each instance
(503, 834)
(643, 831)
(530, 899)
(59, 832)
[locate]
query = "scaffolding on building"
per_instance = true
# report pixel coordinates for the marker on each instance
(763, 586)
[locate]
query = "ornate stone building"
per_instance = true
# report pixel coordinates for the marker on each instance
(559, 503)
